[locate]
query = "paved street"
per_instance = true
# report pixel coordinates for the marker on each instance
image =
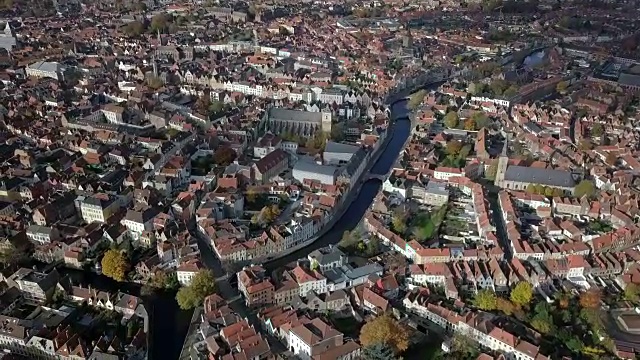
(233, 296)
(227, 291)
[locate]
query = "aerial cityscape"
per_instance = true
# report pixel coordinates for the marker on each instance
(328, 180)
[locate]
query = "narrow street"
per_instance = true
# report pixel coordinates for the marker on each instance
(356, 204)
(496, 217)
(227, 291)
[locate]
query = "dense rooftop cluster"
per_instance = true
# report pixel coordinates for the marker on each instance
(201, 145)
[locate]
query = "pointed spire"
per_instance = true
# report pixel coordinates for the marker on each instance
(155, 66)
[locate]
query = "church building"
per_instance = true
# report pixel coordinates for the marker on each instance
(520, 177)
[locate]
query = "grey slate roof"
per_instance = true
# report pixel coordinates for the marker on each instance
(549, 177)
(141, 217)
(629, 79)
(364, 271)
(311, 167)
(327, 256)
(437, 188)
(355, 161)
(294, 115)
(346, 272)
(334, 147)
(46, 66)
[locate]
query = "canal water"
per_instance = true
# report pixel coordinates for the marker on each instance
(534, 59)
(355, 212)
(169, 324)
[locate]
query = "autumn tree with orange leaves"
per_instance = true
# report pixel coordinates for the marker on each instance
(563, 301)
(591, 299)
(385, 330)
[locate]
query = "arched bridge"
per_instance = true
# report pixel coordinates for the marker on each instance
(372, 176)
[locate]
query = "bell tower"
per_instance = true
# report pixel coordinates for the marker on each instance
(407, 39)
(503, 162)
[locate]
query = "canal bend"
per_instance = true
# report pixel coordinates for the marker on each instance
(400, 131)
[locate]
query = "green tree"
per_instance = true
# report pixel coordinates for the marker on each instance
(498, 86)
(252, 10)
(492, 170)
(134, 28)
(572, 342)
(58, 296)
(486, 300)
(511, 91)
(549, 191)
(470, 125)
(531, 189)
(505, 306)
(632, 292)
(160, 22)
(424, 230)
(350, 238)
(373, 247)
(215, 107)
(585, 144)
(115, 265)
(463, 347)
(416, 99)
(451, 120)
(542, 323)
(337, 132)
(11, 255)
(314, 266)
(171, 282)
(522, 294)
(161, 281)
(378, 351)
(317, 142)
(385, 330)
(269, 214)
(251, 195)
(539, 189)
(202, 285)
(142, 7)
(481, 120)
(562, 86)
(453, 147)
(472, 88)
(585, 188)
(597, 130)
(399, 221)
(465, 151)
(224, 156)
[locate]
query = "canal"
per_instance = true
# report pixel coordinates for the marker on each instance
(169, 324)
(355, 212)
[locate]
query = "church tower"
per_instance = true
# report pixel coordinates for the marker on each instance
(503, 162)
(8, 31)
(407, 39)
(155, 66)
